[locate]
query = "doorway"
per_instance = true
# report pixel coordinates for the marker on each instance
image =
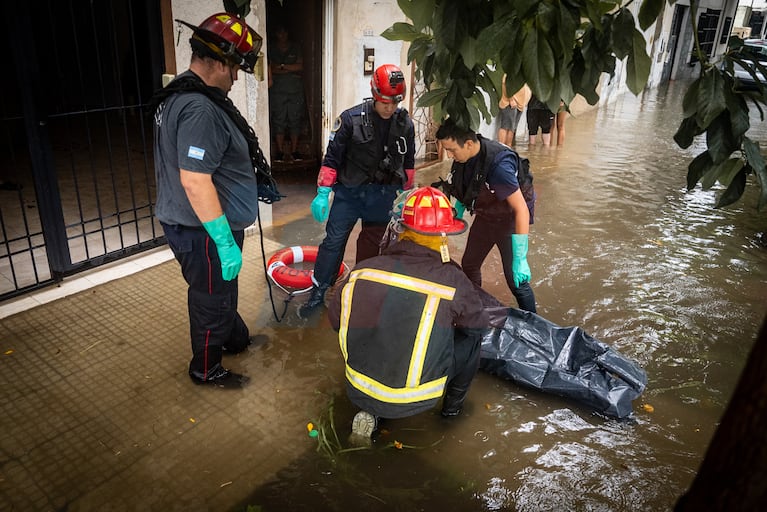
(295, 145)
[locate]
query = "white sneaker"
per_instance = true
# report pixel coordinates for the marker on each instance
(363, 424)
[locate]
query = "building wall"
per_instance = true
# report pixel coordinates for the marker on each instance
(358, 25)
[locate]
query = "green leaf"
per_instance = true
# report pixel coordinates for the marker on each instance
(623, 34)
(738, 109)
(649, 12)
(495, 37)
(686, 132)
(419, 11)
(568, 22)
(709, 179)
(734, 190)
(449, 28)
(418, 50)
(699, 166)
(401, 32)
(690, 101)
(720, 140)
(728, 170)
(510, 55)
(756, 161)
(538, 64)
(710, 97)
(638, 65)
(432, 97)
(478, 99)
(468, 51)
(525, 8)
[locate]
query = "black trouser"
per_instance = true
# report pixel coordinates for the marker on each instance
(371, 203)
(213, 319)
(483, 235)
(466, 353)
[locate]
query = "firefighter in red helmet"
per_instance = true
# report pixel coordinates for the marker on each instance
(370, 158)
(409, 321)
(207, 190)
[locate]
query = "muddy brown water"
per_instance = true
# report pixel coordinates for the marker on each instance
(619, 248)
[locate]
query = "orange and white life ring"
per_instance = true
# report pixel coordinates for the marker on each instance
(280, 271)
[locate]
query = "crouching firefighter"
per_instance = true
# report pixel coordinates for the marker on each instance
(370, 157)
(409, 321)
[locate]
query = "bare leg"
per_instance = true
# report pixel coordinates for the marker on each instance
(561, 117)
(532, 140)
(502, 134)
(280, 138)
(546, 139)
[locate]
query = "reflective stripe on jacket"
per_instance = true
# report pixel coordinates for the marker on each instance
(396, 316)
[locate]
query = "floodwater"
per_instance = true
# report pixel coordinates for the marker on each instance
(619, 248)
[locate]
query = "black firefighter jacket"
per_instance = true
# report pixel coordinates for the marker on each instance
(395, 317)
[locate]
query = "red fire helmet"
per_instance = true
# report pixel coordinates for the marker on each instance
(428, 211)
(228, 37)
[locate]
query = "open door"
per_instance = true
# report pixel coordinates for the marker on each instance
(295, 96)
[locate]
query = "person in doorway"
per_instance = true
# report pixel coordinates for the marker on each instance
(207, 192)
(483, 179)
(286, 93)
(539, 117)
(512, 108)
(410, 322)
(370, 157)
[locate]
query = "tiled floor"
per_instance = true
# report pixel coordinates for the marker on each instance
(87, 280)
(97, 415)
(97, 411)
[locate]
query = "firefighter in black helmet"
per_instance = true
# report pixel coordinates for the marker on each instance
(207, 192)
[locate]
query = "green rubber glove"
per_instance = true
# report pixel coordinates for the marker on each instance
(459, 209)
(228, 251)
(519, 267)
(320, 207)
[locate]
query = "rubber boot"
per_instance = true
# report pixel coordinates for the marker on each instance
(452, 404)
(316, 299)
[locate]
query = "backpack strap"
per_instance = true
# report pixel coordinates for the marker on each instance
(267, 187)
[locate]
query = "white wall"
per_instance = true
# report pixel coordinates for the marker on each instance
(358, 25)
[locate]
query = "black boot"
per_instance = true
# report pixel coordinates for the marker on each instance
(452, 404)
(316, 299)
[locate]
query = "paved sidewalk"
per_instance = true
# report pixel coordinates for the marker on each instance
(98, 413)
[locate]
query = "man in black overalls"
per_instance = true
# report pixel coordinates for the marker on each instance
(370, 157)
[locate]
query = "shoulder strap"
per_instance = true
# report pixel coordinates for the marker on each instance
(267, 187)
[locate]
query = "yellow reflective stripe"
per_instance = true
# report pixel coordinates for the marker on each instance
(413, 391)
(405, 282)
(426, 391)
(346, 310)
(421, 343)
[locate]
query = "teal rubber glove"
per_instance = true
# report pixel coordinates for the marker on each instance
(459, 209)
(228, 251)
(399, 202)
(320, 208)
(519, 267)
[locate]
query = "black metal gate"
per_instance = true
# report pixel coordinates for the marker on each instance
(76, 173)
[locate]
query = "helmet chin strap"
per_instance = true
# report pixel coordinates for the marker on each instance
(232, 74)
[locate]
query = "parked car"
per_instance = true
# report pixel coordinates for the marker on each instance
(753, 50)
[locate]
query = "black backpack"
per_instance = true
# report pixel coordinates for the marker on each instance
(525, 179)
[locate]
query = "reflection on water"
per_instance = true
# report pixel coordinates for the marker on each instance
(619, 248)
